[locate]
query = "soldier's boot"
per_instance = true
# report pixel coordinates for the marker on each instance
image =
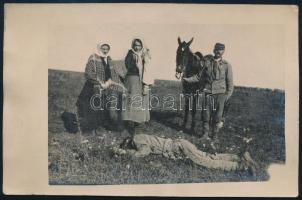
(206, 129)
(217, 127)
(215, 132)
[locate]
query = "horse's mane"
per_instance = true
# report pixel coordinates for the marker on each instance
(197, 57)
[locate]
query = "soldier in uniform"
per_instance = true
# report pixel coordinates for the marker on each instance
(142, 145)
(216, 78)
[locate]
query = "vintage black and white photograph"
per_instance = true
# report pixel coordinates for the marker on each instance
(151, 99)
(164, 103)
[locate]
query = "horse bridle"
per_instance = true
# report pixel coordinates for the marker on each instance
(179, 75)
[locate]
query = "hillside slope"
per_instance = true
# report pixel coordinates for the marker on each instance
(254, 113)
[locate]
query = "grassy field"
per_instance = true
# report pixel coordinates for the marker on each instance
(254, 113)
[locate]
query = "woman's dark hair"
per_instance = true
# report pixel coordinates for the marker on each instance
(127, 143)
(136, 40)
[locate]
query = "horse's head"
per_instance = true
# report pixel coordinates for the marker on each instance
(182, 56)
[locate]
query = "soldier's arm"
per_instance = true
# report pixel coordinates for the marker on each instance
(196, 77)
(130, 151)
(204, 70)
(229, 81)
(193, 79)
(142, 151)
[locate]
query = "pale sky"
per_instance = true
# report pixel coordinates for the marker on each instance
(255, 51)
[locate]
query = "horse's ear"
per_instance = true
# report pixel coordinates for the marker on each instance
(190, 42)
(179, 41)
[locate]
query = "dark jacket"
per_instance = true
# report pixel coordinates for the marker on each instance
(130, 62)
(223, 83)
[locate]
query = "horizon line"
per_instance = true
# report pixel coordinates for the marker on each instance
(244, 86)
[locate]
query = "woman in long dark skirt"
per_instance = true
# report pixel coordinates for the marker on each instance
(100, 73)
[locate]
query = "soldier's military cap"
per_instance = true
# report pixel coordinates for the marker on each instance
(219, 46)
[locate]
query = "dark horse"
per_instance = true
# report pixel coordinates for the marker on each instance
(187, 65)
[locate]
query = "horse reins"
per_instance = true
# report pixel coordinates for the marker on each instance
(179, 75)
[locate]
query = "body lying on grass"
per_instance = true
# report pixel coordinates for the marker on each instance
(142, 145)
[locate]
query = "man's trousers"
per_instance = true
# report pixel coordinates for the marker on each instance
(212, 107)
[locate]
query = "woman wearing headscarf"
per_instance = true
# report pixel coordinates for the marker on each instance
(137, 82)
(104, 80)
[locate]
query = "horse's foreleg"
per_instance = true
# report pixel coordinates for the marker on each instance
(186, 112)
(193, 113)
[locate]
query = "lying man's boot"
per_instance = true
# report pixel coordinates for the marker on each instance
(248, 158)
(206, 130)
(250, 163)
